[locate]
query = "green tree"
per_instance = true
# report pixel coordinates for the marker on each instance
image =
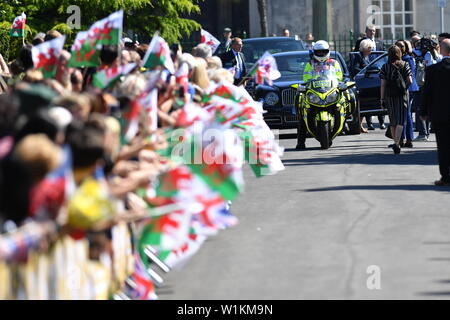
(144, 17)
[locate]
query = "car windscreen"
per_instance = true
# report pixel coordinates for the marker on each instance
(291, 66)
(253, 50)
(376, 64)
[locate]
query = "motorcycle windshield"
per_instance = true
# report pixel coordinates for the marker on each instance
(324, 79)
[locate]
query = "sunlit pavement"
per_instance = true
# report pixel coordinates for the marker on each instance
(313, 230)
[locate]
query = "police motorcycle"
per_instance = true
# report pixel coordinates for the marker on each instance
(324, 104)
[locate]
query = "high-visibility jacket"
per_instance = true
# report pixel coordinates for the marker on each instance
(313, 66)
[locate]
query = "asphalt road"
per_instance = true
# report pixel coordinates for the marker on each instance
(312, 231)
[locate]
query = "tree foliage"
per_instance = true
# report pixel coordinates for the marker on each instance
(143, 17)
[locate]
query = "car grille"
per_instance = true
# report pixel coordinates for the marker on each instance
(291, 118)
(288, 97)
(273, 120)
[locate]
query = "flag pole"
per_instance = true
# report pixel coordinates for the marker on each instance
(24, 33)
(248, 73)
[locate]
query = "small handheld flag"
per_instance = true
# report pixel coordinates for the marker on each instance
(210, 40)
(18, 26)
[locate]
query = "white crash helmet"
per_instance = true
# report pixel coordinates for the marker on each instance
(321, 51)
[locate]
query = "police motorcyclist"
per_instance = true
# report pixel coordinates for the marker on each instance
(320, 60)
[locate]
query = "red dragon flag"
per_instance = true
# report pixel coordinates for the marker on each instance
(18, 26)
(148, 101)
(209, 39)
(108, 30)
(46, 55)
(84, 52)
(105, 78)
(158, 54)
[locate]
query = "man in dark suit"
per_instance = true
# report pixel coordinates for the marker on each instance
(370, 34)
(236, 58)
(436, 106)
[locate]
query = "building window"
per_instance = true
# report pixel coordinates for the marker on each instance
(397, 18)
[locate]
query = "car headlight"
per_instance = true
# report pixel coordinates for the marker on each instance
(332, 97)
(313, 98)
(271, 99)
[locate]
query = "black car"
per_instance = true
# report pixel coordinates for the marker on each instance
(278, 99)
(368, 83)
(254, 48)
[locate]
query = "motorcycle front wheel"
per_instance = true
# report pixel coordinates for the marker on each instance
(323, 133)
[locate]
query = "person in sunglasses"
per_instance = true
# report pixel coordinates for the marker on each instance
(320, 59)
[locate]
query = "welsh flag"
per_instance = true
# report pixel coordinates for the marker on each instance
(231, 92)
(18, 26)
(108, 30)
(177, 258)
(265, 69)
(130, 121)
(169, 231)
(46, 55)
(227, 112)
(221, 163)
(107, 77)
(182, 77)
(210, 40)
(158, 54)
(190, 114)
(261, 151)
(165, 233)
(148, 101)
(84, 52)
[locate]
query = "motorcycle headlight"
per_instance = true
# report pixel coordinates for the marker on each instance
(332, 97)
(313, 98)
(271, 99)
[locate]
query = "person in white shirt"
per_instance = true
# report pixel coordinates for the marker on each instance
(378, 45)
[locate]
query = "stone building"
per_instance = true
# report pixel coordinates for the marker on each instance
(394, 17)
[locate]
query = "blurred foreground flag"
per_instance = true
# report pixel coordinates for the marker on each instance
(46, 55)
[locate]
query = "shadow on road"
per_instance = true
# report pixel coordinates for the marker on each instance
(410, 157)
(443, 281)
(434, 293)
(408, 187)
